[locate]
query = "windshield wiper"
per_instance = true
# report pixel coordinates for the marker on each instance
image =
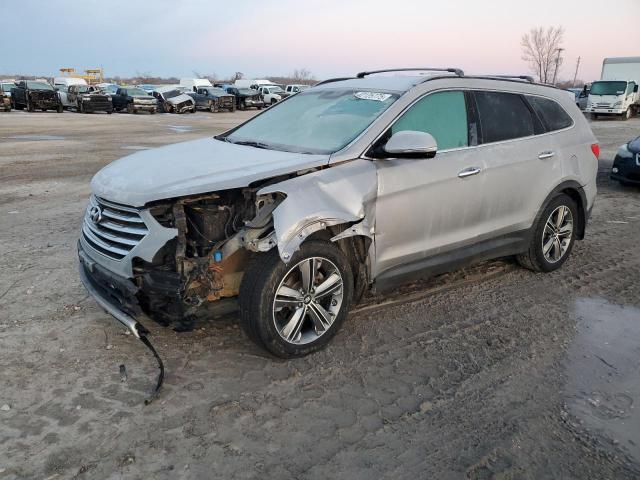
(252, 144)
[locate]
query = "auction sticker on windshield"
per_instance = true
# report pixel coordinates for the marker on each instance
(378, 97)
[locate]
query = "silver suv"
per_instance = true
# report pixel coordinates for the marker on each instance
(352, 185)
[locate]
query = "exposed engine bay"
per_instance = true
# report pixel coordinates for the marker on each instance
(217, 234)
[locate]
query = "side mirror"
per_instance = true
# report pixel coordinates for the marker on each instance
(411, 144)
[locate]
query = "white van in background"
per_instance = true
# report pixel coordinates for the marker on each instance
(194, 83)
(616, 93)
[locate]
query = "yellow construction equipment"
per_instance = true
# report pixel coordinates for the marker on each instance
(92, 75)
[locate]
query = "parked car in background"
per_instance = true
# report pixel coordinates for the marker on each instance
(89, 99)
(213, 99)
(271, 94)
(626, 164)
(110, 88)
(62, 84)
(294, 88)
(172, 100)
(32, 95)
(133, 100)
(6, 86)
(245, 97)
(5, 100)
(351, 185)
(148, 87)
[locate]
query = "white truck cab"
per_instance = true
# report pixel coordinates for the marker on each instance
(616, 93)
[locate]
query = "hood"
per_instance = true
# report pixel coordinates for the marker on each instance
(143, 97)
(191, 168)
(634, 145)
(179, 99)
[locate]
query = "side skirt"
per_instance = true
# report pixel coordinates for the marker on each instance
(502, 246)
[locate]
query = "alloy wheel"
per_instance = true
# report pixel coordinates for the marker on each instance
(308, 300)
(557, 234)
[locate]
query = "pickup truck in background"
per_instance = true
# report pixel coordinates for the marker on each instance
(134, 100)
(88, 99)
(616, 93)
(33, 94)
(213, 99)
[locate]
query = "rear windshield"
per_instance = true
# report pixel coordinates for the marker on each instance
(608, 88)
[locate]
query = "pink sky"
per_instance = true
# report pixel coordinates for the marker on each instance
(333, 37)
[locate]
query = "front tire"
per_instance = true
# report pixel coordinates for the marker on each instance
(295, 309)
(628, 114)
(553, 237)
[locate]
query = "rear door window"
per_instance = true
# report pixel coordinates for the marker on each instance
(503, 116)
(552, 115)
(443, 115)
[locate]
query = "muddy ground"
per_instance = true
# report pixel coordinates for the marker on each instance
(492, 372)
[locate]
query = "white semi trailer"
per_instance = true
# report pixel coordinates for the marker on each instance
(616, 93)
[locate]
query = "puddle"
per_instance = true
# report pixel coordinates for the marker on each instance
(37, 138)
(603, 388)
(180, 128)
(135, 147)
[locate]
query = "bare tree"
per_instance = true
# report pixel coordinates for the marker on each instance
(541, 49)
(301, 75)
(237, 76)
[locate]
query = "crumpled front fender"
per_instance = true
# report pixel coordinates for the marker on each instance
(343, 193)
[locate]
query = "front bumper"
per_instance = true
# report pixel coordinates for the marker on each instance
(605, 111)
(116, 295)
(144, 107)
(626, 169)
(253, 103)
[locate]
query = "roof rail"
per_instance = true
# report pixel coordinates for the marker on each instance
(331, 80)
(457, 71)
(527, 78)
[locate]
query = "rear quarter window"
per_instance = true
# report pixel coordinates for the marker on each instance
(503, 116)
(552, 115)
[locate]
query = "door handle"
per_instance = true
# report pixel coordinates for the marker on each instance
(545, 155)
(467, 172)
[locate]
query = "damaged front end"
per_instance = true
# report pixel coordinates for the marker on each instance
(179, 256)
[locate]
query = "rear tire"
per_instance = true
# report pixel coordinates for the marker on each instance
(60, 108)
(267, 321)
(552, 240)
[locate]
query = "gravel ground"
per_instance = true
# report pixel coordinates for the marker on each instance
(490, 372)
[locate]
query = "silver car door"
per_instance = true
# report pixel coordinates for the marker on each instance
(426, 206)
(521, 164)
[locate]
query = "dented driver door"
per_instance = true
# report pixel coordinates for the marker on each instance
(427, 206)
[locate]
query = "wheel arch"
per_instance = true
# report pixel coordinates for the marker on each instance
(575, 191)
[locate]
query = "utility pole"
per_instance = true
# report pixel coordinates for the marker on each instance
(555, 72)
(576, 74)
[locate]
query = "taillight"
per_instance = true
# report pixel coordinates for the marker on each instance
(595, 148)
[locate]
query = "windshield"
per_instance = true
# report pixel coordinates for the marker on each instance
(83, 89)
(137, 92)
(110, 88)
(608, 88)
(6, 87)
(275, 89)
(39, 86)
(321, 121)
(215, 91)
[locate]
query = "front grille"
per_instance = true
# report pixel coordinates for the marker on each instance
(118, 230)
(603, 105)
